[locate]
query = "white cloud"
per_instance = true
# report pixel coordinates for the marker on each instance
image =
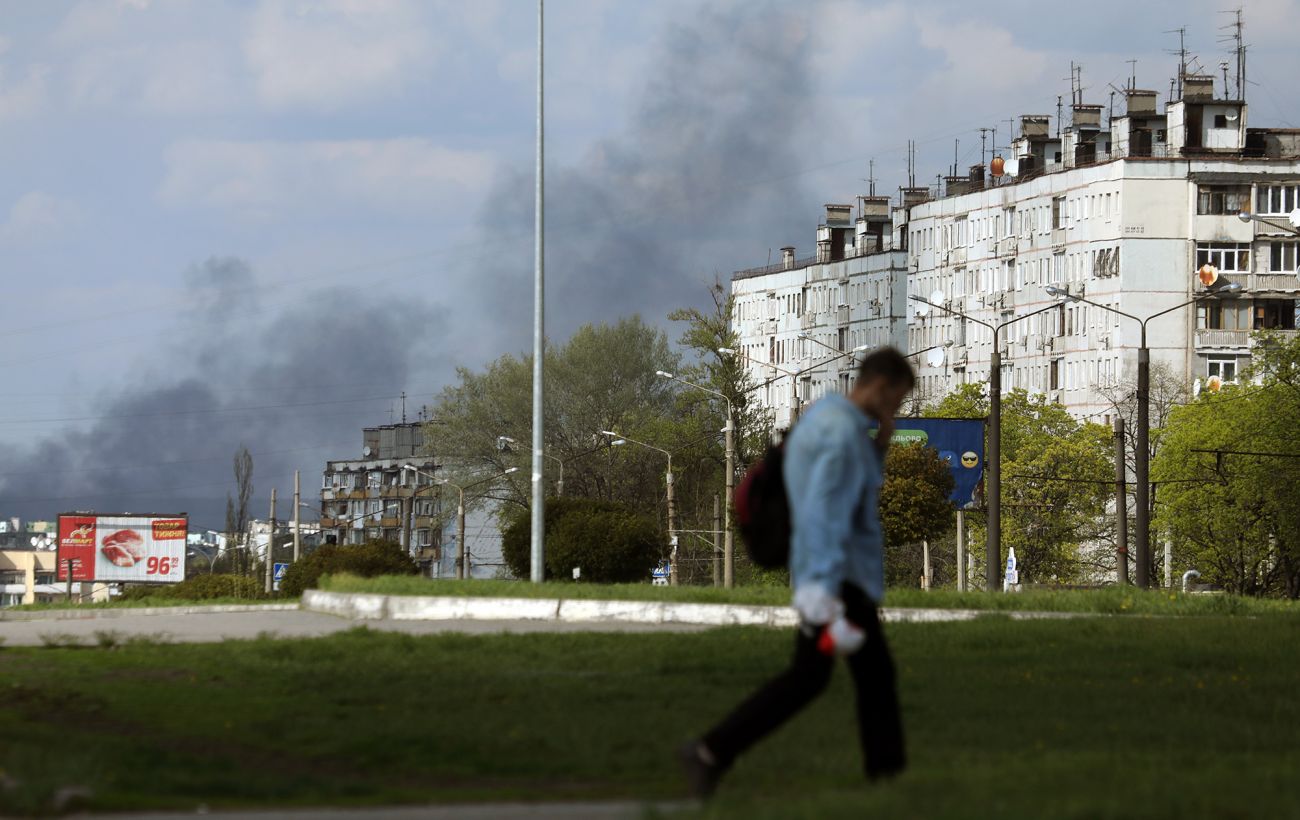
(25, 94)
(38, 216)
(184, 77)
(328, 53)
(269, 180)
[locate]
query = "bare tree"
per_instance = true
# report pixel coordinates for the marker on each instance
(237, 513)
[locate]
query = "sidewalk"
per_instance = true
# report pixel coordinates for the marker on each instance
(608, 810)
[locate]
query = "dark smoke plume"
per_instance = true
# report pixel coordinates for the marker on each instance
(285, 384)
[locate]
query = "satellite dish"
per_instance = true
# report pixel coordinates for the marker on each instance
(921, 309)
(366, 451)
(1232, 116)
(1208, 274)
(936, 296)
(935, 357)
(1294, 218)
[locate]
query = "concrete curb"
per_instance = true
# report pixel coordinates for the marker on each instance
(122, 612)
(365, 606)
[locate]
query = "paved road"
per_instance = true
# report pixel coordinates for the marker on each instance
(621, 810)
(206, 627)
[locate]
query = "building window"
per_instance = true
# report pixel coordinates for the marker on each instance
(1277, 199)
(1215, 315)
(1283, 257)
(1058, 212)
(1228, 257)
(1054, 382)
(1275, 314)
(1225, 369)
(1222, 199)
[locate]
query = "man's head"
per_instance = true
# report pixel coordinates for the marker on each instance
(885, 378)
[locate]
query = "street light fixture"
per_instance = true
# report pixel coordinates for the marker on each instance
(728, 553)
(1142, 446)
(618, 440)
(993, 462)
(1293, 218)
(504, 442)
(461, 554)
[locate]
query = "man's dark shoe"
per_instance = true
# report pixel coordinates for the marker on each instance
(701, 776)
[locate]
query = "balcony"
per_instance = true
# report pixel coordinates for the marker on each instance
(1007, 246)
(1285, 282)
(1222, 338)
(843, 315)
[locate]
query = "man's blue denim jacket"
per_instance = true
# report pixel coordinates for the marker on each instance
(833, 474)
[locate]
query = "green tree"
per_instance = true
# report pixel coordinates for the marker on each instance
(1055, 487)
(368, 560)
(1233, 513)
(914, 507)
(610, 542)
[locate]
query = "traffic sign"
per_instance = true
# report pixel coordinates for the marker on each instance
(280, 570)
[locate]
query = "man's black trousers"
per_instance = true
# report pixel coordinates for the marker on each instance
(879, 726)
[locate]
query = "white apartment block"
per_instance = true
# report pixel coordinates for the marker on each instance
(1124, 217)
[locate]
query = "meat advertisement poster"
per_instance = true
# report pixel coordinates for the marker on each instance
(115, 548)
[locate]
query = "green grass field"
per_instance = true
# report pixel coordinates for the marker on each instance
(1095, 718)
(1110, 600)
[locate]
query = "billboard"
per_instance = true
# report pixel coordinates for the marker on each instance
(960, 442)
(114, 548)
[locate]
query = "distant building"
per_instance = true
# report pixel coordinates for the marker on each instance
(372, 497)
(1124, 213)
(28, 577)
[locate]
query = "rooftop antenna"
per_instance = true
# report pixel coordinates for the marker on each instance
(955, 144)
(871, 177)
(1058, 116)
(911, 163)
(983, 138)
(1182, 56)
(1235, 37)
(1132, 74)
(403, 407)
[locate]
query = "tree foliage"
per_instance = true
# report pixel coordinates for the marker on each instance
(1234, 514)
(368, 560)
(610, 542)
(914, 507)
(1055, 474)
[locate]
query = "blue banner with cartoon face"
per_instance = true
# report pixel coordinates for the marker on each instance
(960, 442)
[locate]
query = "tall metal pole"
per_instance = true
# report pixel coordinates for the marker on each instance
(460, 534)
(1141, 475)
(270, 548)
(993, 553)
(961, 550)
(539, 338)
(717, 541)
(728, 554)
(1121, 506)
(297, 524)
(672, 526)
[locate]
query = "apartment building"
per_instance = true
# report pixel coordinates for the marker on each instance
(1140, 216)
(373, 497)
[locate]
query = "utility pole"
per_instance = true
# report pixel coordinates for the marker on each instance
(270, 549)
(728, 552)
(1121, 506)
(961, 550)
(717, 541)
(993, 463)
(672, 526)
(537, 570)
(460, 534)
(297, 528)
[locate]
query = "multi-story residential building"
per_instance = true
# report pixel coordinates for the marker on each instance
(373, 497)
(1126, 216)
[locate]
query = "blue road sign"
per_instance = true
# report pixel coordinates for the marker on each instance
(278, 575)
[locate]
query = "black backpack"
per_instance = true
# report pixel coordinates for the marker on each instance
(763, 511)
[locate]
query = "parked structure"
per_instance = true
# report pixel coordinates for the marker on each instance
(1124, 215)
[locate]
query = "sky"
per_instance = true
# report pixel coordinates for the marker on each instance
(258, 222)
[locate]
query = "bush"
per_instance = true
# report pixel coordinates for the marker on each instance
(199, 588)
(365, 560)
(609, 541)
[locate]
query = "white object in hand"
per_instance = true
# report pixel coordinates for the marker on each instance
(841, 637)
(816, 606)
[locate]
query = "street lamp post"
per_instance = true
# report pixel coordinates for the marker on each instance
(503, 443)
(1142, 444)
(796, 401)
(1293, 218)
(461, 553)
(619, 439)
(993, 460)
(728, 543)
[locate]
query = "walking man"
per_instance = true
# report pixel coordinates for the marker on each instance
(833, 473)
